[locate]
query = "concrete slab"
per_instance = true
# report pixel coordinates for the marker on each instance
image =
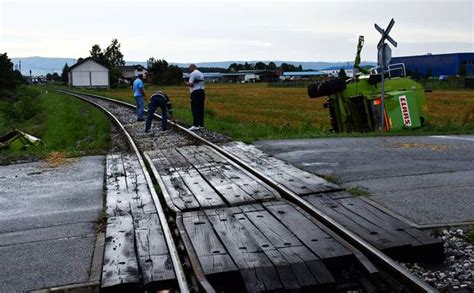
(47, 224)
(426, 179)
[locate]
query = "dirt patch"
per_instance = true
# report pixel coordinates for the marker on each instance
(55, 159)
(433, 147)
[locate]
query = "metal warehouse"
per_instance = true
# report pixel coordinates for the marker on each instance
(440, 64)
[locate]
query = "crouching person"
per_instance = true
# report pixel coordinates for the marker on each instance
(159, 99)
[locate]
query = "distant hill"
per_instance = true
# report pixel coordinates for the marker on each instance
(42, 65)
(45, 65)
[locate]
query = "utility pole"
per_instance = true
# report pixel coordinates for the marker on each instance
(384, 56)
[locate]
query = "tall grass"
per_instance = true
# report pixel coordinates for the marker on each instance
(65, 125)
(73, 126)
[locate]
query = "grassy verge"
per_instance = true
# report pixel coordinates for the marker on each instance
(251, 112)
(65, 125)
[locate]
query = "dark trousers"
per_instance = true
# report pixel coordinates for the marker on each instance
(157, 101)
(197, 107)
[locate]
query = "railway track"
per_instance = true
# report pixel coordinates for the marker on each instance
(231, 219)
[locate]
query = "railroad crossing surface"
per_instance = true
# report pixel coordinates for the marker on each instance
(425, 179)
(229, 218)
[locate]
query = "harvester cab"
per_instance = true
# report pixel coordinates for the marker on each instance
(357, 104)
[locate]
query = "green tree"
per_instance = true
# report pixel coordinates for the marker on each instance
(163, 73)
(113, 55)
(342, 74)
(260, 66)
(234, 67)
(64, 74)
(97, 54)
(8, 76)
(271, 66)
(248, 66)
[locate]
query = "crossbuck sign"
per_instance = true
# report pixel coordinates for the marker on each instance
(384, 56)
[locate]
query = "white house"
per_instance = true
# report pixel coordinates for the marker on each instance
(89, 73)
(130, 72)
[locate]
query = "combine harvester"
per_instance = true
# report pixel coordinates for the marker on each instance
(370, 102)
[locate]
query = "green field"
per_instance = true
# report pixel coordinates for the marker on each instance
(65, 124)
(251, 112)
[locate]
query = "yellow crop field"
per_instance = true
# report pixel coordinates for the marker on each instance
(256, 111)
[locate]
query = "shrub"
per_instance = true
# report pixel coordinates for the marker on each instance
(22, 105)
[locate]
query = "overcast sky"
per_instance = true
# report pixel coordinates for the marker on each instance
(199, 31)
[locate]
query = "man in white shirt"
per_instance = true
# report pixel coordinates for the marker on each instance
(196, 88)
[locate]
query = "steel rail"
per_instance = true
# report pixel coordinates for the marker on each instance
(374, 254)
(178, 268)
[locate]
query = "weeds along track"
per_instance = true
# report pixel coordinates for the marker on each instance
(231, 219)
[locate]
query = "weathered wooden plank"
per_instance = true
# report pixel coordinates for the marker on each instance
(201, 157)
(128, 191)
(134, 238)
(270, 243)
(153, 256)
(299, 181)
(368, 230)
(234, 184)
(117, 202)
(204, 193)
(308, 232)
(177, 160)
(423, 246)
(309, 269)
(257, 270)
(226, 188)
(179, 194)
(141, 200)
(212, 254)
(276, 233)
(120, 262)
(281, 238)
(161, 163)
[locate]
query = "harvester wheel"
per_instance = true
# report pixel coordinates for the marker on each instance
(326, 88)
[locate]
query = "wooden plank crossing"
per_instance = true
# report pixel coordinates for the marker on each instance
(136, 255)
(297, 180)
(197, 177)
(385, 232)
(382, 230)
(260, 245)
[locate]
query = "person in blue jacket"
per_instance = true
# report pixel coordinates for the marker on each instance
(139, 95)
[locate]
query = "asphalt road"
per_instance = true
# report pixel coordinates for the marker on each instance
(428, 180)
(47, 223)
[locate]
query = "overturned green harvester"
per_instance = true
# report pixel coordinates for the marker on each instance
(356, 104)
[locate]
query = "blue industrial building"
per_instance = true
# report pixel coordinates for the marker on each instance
(439, 64)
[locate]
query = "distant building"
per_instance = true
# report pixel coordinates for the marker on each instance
(89, 73)
(438, 65)
(131, 72)
(251, 76)
(334, 71)
(208, 76)
(294, 75)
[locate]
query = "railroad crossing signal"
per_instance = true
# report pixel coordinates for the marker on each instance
(385, 35)
(384, 56)
(385, 53)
